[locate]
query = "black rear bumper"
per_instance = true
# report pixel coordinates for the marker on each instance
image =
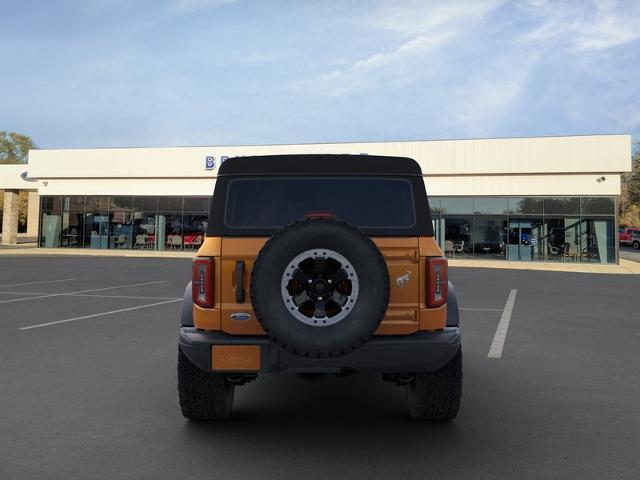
(420, 352)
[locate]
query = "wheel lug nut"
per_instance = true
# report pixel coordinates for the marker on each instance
(309, 281)
(329, 281)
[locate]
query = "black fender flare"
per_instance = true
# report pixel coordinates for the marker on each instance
(186, 314)
(453, 313)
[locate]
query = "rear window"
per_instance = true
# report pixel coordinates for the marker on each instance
(276, 202)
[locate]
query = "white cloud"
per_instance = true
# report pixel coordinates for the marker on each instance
(339, 82)
(599, 25)
(417, 46)
(419, 16)
(480, 105)
(418, 29)
(324, 71)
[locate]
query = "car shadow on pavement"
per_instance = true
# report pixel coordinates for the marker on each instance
(331, 416)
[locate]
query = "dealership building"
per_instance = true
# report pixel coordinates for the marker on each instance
(529, 199)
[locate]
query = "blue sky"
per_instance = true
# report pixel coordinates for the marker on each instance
(99, 73)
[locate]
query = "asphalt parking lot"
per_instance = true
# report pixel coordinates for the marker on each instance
(88, 386)
(630, 253)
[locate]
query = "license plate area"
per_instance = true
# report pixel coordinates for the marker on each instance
(235, 358)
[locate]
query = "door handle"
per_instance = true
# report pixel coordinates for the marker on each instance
(240, 281)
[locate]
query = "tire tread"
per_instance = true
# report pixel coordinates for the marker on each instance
(203, 395)
(436, 395)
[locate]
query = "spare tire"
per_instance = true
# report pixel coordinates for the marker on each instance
(319, 287)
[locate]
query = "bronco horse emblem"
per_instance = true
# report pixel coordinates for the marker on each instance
(403, 279)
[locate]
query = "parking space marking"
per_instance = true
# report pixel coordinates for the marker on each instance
(82, 291)
(84, 317)
(135, 297)
(21, 293)
(92, 295)
(501, 332)
(36, 283)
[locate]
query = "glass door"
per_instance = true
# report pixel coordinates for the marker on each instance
(525, 240)
(96, 231)
(72, 229)
(562, 238)
(596, 243)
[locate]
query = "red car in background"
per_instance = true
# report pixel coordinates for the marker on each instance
(630, 237)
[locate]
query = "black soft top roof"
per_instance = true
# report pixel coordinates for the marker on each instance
(322, 164)
(233, 169)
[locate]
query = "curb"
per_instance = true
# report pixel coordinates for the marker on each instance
(61, 252)
(626, 267)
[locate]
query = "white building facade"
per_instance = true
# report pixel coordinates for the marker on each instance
(535, 199)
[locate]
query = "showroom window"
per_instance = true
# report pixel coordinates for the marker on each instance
(123, 222)
(562, 229)
(490, 206)
(525, 206)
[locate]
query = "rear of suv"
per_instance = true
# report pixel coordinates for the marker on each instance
(318, 265)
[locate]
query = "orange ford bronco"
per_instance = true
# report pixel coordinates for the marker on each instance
(316, 265)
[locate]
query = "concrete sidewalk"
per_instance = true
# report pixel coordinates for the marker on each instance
(625, 267)
(31, 251)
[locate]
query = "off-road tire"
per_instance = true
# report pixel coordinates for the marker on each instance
(203, 395)
(320, 341)
(436, 395)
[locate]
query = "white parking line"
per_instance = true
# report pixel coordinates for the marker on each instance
(21, 293)
(501, 332)
(81, 291)
(57, 322)
(119, 296)
(91, 295)
(35, 283)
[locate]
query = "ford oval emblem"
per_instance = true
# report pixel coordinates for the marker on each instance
(240, 316)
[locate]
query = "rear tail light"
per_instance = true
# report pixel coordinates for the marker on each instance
(202, 282)
(437, 281)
